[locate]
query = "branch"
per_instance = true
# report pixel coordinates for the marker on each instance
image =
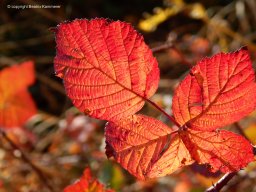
(222, 182)
(240, 130)
(170, 45)
(25, 158)
(162, 47)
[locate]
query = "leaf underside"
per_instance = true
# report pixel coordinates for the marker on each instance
(147, 148)
(138, 143)
(108, 70)
(218, 91)
(223, 150)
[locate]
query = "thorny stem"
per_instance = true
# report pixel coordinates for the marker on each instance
(161, 110)
(227, 177)
(25, 158)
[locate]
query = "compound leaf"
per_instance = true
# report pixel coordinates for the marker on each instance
(107, 68)
(218, 91)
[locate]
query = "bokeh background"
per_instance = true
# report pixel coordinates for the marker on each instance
(61, 141)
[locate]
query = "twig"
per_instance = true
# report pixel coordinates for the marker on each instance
(26, 42)
(240, 130)
(227, 177)
(162, 47)
(169, 45)
(222, 182)
(51, 83)
(25, 158)
(229, 32)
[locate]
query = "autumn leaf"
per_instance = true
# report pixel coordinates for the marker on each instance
(87, 184)
(218, 91)
(222, 150)
(107, 69)
(146, 147)
(16, 104)
(16, 78)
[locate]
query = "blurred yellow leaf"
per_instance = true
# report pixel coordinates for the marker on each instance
(250, 132)
(197, 11)
(160, 15)
(150, 23)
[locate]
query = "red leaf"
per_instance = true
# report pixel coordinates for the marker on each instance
(218, 91)
(223, 150)
(87, 184)
(138, 143)
(16, 104)
(108, 70)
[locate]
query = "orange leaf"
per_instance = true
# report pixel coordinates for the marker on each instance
(16, 104)
(87, 184)
(108, 70)
(223, 150)
(16, 77)
(138, 143)
(218, 91)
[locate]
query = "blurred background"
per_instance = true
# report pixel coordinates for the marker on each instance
(60, 141)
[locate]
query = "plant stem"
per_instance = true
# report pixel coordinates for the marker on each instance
(222, 182)
(25, 158)
(169, 45)
(162, 111)
(162, 47)
(240, 130)
(227, 177)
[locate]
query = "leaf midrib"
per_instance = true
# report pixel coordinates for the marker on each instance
(215, 99)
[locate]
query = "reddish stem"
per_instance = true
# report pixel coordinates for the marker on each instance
(169, 45)
(162, 111)
(222, 182)
(227, 177)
